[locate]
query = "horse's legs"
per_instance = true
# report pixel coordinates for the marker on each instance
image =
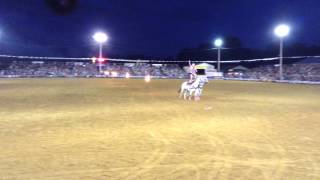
(197, 94)
(185, 95)
(190, 94)
(183, 90)
(181, 93)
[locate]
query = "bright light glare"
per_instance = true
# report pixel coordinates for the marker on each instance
(147, 78)
(114, 74)
(218, 42)
(100, 37)
(127, 75)
(94, 59)
(282, 30)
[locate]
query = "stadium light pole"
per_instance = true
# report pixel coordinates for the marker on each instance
(218, 43)
(281, 31)
(100, 38)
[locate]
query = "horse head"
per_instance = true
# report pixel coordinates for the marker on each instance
(202, 81)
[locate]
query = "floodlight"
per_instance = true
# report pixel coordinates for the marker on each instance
(218, 42)
(282, 30)
(100, 37)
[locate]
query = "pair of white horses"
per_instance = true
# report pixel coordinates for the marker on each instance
(189, 90)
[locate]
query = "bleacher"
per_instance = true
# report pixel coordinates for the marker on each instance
(291, 72)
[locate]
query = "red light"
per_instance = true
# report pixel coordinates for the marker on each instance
(101, 60)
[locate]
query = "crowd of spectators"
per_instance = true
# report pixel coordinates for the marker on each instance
(87, 69)
(291, 72)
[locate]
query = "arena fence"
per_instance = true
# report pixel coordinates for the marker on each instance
(277, 81)
(151, 61)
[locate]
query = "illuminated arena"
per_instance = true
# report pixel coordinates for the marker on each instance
(123, 119)
(159, 90)
(129, 129)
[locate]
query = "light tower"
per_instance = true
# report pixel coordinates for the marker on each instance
(218, 43)
(100, 38)
(281, 31)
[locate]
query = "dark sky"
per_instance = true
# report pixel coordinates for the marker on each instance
(151, 27)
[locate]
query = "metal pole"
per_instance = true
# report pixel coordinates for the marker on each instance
(281, 59)
(219, 58)
(100, 56)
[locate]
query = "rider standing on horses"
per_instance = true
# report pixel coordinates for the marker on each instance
(192, 72)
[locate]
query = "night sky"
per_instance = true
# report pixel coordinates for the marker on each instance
(150, 27)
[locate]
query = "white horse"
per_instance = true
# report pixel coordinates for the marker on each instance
(194, 89)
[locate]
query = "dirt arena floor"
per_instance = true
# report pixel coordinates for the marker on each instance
(129, 129)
